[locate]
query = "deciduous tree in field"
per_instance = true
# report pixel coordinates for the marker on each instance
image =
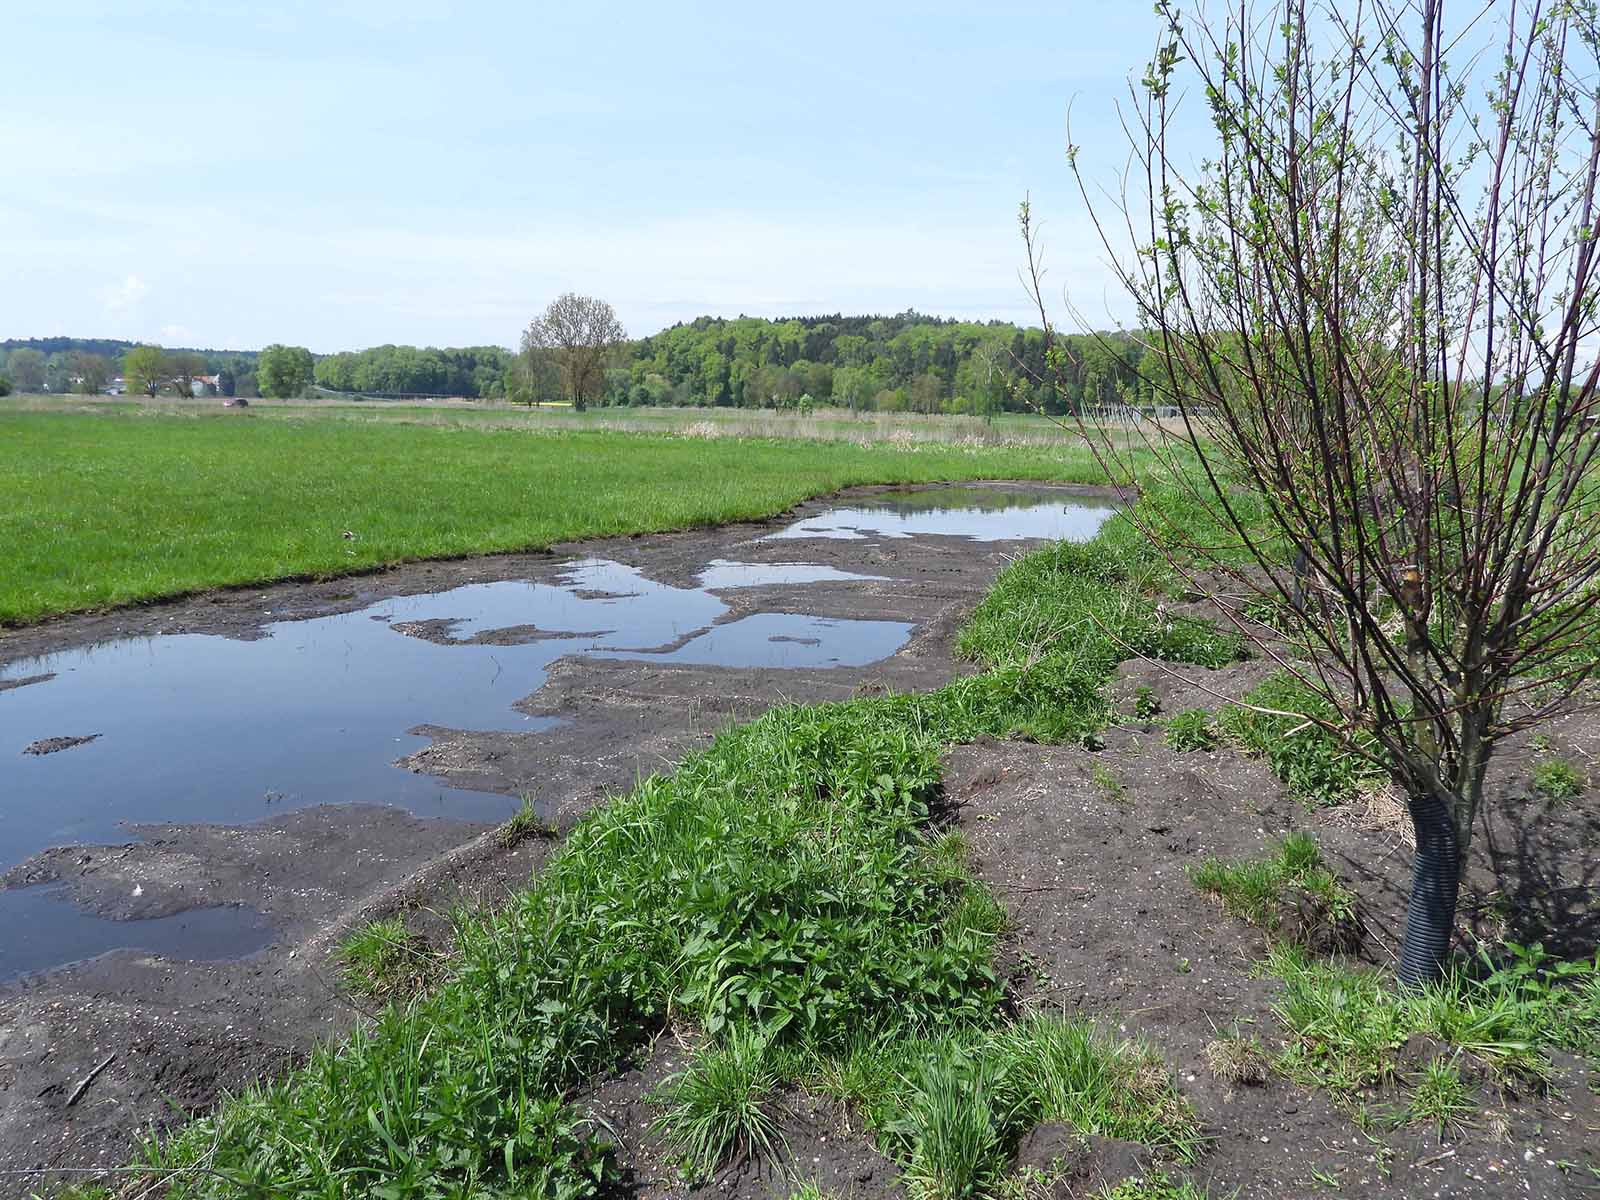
(1375, 307)
(578, 334)
(284, 371)
(182, 367)
(144, 369)
(92, 371)
(26, 368)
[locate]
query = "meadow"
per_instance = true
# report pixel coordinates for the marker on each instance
(113, 503)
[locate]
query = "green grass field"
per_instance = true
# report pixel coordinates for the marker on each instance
(119, 504)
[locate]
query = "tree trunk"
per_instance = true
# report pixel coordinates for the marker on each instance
(1435, 884)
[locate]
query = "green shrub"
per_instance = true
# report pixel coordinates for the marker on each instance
(1146, 703)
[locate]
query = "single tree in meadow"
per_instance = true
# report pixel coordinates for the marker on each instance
(26, 368)
(577, 335)
(144, 369)
(182, 368)
(1373, 300)
(284, 371)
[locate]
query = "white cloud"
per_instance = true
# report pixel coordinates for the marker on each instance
(178, 335)
(120, 297)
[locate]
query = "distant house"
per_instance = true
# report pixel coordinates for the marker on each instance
(205, 385)
(117, 386)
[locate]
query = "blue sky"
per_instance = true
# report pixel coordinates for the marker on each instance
(341, 174)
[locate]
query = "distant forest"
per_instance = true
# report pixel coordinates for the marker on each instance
(904, 363)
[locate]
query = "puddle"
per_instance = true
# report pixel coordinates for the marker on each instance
(785, 640)
(981, 514)
(200, 728)
(720, 573)
(45, 929)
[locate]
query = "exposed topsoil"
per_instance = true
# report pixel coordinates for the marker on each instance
(1089, 851)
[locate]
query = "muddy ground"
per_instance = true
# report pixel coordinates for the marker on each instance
(183, 1032)
(1107, 924)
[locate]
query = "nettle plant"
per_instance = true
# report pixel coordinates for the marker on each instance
(1372, 314)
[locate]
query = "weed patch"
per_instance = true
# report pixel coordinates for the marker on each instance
(1348, 1027)
(1191, 731)
(1316, 765)
(1556, 779)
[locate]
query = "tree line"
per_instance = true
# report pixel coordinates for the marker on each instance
(909, 362)
(89, 365)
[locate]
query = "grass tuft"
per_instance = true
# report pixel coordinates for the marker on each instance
(1291, 896)
(385, 959)
(523, 824)
(721, 1106)
(1442, 1099)
(1238, 1060)
(1159, 1186)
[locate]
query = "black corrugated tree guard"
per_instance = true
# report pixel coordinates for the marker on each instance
(1370, 301)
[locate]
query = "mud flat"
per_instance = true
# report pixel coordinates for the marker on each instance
(277, 765)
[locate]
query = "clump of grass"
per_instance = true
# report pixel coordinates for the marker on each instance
(1043, 1068)
(1159, 1186)
(1441, 1098)
(1146, 704)
(721, 1106)
(523, 824)
(812, 1190)
(951, 1125)
(1291, 895)
(384, 958)
(1191, 730)
(1238, 1060)
(1556, 779)
(1318, 767)
(1348, 1027)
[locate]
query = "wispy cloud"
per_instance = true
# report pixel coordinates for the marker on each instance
(120, 297)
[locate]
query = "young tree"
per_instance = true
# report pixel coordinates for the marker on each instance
(577, 334)
(284, 371)
(1375, 307)
(144, 369)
